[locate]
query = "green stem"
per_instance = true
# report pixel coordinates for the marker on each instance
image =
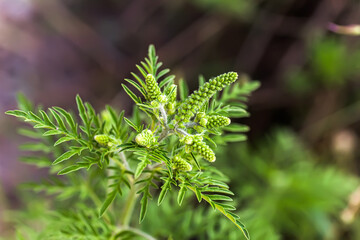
(141, 233)
(136, 231)
(128, 208)
(96, 200)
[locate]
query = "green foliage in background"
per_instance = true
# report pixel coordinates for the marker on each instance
(331, 64)
(279, 186)
(112, 165)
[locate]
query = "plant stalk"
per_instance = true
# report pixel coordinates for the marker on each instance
(129, 206)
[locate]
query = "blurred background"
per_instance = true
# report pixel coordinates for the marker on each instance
(297, 177)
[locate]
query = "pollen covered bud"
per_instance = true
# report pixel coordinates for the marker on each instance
(181, 164)
(217, 121)
(152, 87)
(194, 143)
(146, 138)
(103, 140)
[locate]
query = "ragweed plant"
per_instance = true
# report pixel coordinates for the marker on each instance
(109, 161)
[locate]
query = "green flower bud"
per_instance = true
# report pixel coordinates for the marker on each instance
(194, 143)
(162, 98)
(181, 164)
(203, 122)
(152, 87)
(155, 104)
(198, 98)
(217, 121)
(188, 140)
(103, 140)
(145, 138)
(199, 116)
(199, 129)
(170, 107)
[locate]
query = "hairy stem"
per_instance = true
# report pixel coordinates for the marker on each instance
(181, 131)
(191, 124)
(125, 162)
(163, 115)
(163, 135)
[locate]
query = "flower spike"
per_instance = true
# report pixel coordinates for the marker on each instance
(217, 121)
(194, 143)
(181, 164)
(198, 98)
(152, 87)
(145, 138)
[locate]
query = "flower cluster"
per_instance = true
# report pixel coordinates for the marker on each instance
(217, 121)
(181, 164)
(197, 99)
(194, 143)
(146, 138)
(152, 87)
(104, 140)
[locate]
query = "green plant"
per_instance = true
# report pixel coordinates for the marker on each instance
(159, 149)
(281, 189)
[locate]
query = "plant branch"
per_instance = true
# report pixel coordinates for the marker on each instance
(181, 131)
(163, 115)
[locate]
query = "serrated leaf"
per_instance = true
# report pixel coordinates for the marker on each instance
(46, 119)
(217, 197)
(164, 189)
(69, 119)
(144, 205)
(141, 70)
(131, 124)
(52, 132)
(234, 138)
(181, 194)
(17, 113)
(81, 109)
(131, 94)
(162, 73)
(166, 80)
(65, 156)
(197, 164)
(70, 169)
(198, 194)
(37, 161)
(35, 146)
(62, 140)
(29, 133)
(137, 86)
(242, 227)
(109, 199)
(234, 127)
(227, 207)
(217, 190)
(140, 167)
(58, 120)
